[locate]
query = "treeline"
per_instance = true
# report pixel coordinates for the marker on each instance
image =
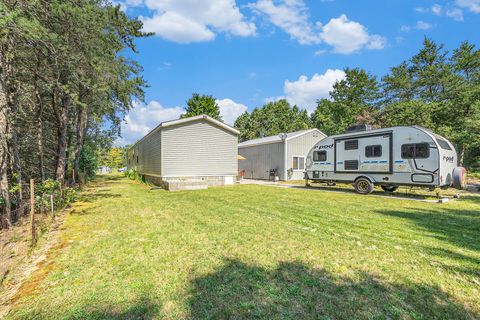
(66, 81)
(434, 89)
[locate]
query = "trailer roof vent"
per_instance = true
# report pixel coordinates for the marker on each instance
(359, 128)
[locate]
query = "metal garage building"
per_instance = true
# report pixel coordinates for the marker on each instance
(190, 153)
(285, 153)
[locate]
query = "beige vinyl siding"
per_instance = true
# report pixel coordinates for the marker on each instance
(149, 155)
(132, 158)
(260, 159)
(300, 146)
(198, 148)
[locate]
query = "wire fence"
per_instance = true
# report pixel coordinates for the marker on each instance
(29, 199)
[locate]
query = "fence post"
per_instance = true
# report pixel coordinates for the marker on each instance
(32, 209)
(51, 205)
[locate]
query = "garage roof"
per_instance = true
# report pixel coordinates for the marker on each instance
(277, 138)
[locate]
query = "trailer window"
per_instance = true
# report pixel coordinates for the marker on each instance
(298, 163)
(373, 151)
(351, 144)
(351, 165)
(415, 151)
(443, 143)
(320, 155)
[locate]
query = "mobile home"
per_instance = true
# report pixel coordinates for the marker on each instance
(282, 156)
(190, 153)
(390, 157)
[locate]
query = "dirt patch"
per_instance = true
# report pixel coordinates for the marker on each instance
(21, 262)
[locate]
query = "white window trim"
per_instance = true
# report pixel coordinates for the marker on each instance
(303, 163)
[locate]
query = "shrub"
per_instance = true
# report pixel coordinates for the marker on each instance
(133, 174)
(89, 161)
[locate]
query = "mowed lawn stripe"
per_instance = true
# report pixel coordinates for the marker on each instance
(258, 252)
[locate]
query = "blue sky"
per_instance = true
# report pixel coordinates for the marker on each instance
(247, 52)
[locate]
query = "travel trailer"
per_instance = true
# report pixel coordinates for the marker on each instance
(389, 157)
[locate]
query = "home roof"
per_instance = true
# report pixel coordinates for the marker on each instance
(277, 138)
(170, 123)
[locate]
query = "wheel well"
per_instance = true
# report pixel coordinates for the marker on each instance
(366, 177)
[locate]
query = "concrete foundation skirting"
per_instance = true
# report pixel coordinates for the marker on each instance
(188, 183)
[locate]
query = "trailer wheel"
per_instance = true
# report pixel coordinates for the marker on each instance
(363, 186)
(460, 178)
(389, 188)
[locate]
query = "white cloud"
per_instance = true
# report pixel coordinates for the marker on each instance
(305, 92)
(186, 21)
(343, 35)
(347, 36)
(230, 110)
(422, 25)
(290, 16)
(421, 9)
(143, 118)
(377, 42)
(174, 27)
(472, 5)
(319, 52)
(448, 10)
(437, 9)
(455, 13)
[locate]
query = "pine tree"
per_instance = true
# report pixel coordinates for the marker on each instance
(202, 104)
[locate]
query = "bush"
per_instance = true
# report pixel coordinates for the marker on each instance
(69, 195)
(133, 174)
(474, 174)
(49, 186)
(89, 161)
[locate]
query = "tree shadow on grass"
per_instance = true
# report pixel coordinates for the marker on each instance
(295, 291)
(458, 227)
(94, 197)
(455, 261)
(144, 309)
(349, 189)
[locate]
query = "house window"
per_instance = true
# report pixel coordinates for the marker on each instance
(373, 151)
(320, 155)
(415, 150)
(298, 163)
(351, 165)
(351, 144)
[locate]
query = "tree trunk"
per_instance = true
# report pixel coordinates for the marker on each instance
(4, 156)
(41, 161)
(462, 155)
(4, 189)
(82, 118)
(13, 146)
(67, 153)
(61, 113)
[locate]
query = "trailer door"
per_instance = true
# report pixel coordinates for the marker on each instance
(367, 154)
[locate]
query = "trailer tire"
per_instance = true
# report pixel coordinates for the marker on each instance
(389, 188)
(459, 178)
(363, 186)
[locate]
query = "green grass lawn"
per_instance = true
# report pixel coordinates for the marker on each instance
(260, 252)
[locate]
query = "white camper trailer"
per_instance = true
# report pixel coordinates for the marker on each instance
(390, 157)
